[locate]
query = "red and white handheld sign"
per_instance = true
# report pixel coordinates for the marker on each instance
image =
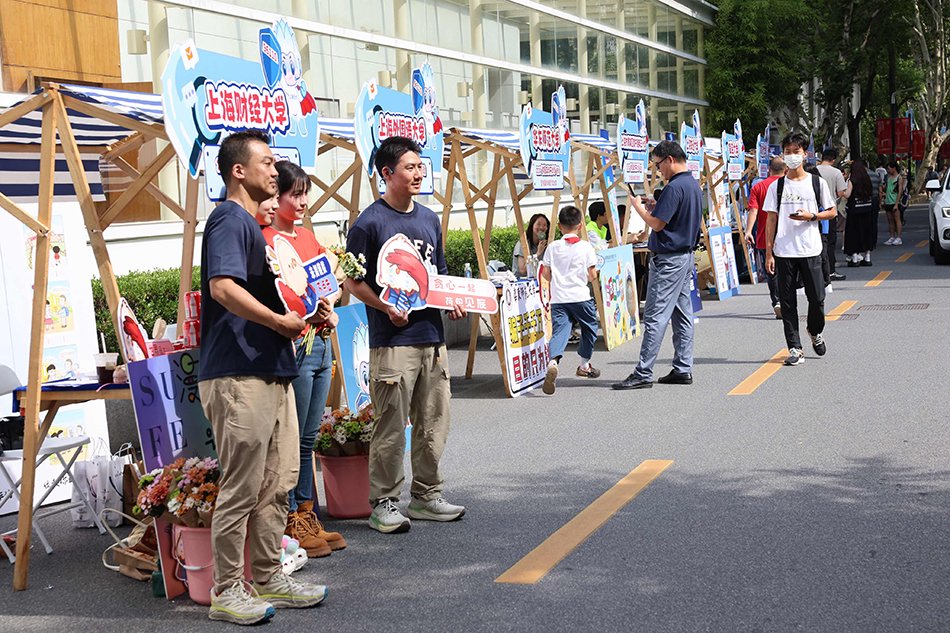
(408, 284)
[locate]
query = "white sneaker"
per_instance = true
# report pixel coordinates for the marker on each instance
(897, 242)
(282, 591)
(795, 357)
(829, 289)
(889, 242)
(435, 510)
(239, 606)
(387, 518)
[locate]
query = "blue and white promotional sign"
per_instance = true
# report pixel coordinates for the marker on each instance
(633, 143)
(382, 112)
(207, 96)
(810, 157)
(763, 153)
(692, 142)
(723, 258)
(214, 182)
(733, 152)
(545, 143)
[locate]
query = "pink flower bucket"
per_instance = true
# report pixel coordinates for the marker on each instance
(346, 484)
(191, 549)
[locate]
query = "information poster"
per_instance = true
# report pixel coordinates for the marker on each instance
(762, 153)
(733, 152)
(382, 112)
(618, 287)
(526, 346)
(353, 334)
(171, 424)
(70, 339)
(723, 259)
(691, 140)
(545, 143)
(206, 96)
(633, 142)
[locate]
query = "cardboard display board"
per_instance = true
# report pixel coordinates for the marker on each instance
(545, 143)
(618, 287)
(523, 333)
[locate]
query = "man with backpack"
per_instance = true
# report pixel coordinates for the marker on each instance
(795, 204)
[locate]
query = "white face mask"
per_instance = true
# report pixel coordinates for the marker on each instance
(793, 161)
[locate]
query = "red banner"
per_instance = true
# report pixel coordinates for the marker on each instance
(901, 138)
(918, 144)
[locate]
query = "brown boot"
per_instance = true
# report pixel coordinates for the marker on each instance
(334, 539)
(298, 528)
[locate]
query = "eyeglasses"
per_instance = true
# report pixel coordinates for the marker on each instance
(657, 163)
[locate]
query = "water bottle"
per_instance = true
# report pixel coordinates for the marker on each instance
(468, 270)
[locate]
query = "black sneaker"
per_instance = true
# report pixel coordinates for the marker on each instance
(818, 343)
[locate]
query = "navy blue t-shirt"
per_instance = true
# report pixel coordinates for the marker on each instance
(681, 207)
(376, 224)
(233, 246)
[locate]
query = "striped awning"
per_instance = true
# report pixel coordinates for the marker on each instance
(19, 170)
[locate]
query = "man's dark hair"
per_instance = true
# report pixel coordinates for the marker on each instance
(829, 155)
(569, 216)
(291, 177)
(596, 209)
(391, 150)
(795, 139)
(893, 164)
(777, 166)
(234, 151)
(665, 149)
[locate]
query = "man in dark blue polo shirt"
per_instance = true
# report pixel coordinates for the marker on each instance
(675, 222)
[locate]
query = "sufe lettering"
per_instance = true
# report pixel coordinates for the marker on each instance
(394, 124)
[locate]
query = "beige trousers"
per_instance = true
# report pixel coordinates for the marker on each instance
(408, 382)
(255, 429)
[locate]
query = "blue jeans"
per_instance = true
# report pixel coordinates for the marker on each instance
(310, 390)
(668, 301)
(585, 313)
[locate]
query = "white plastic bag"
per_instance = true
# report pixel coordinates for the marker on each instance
(100, 477)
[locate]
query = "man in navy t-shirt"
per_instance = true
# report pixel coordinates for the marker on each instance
(247, 363)
(675, 222)
(409, 365)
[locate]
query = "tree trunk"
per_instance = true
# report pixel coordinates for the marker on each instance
(930, 158)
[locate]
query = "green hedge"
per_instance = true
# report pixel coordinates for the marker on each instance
(459, 248)
(151, 294)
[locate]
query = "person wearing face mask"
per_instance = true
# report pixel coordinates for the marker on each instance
(795, 204)
(313, 356)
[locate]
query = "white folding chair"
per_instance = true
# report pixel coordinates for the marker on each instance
(58, 446)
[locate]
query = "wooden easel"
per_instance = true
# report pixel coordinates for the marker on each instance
(53, 101)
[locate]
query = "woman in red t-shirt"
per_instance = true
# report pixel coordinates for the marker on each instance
(314, 355)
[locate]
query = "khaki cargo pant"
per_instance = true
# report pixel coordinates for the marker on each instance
(408, 382)
(255, 428)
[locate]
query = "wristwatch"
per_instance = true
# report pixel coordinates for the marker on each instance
(814, 216)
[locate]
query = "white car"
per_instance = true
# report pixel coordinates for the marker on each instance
(940, 219)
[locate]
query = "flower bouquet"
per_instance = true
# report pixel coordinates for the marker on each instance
(183, 493)
(344, 433)
(353, 266)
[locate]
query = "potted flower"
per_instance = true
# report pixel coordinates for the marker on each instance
(184, 494)
(343, 450)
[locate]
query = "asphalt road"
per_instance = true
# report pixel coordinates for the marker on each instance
(817, 503)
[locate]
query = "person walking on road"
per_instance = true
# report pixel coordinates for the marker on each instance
(838, 187)
(569, 265)
(675, 224)
(408, 365)
(247, 364)
(795, 205)
(756, 225)
(893, 188)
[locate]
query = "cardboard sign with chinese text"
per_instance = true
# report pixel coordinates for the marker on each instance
(545, 143)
